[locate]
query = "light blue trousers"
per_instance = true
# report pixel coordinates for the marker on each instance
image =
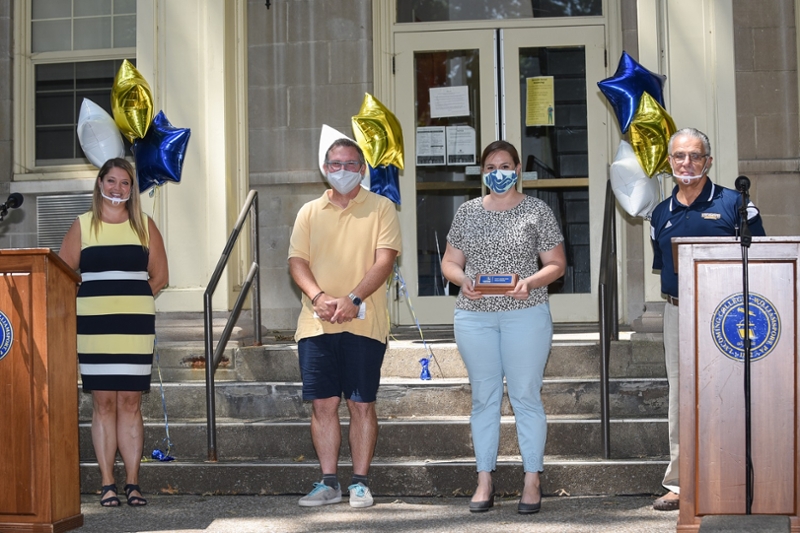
(514, 345)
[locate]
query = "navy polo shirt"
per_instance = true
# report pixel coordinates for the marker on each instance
(714, 213)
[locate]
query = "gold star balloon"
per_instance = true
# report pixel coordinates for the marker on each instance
(131, 102)
(378, 133)
(650, 131)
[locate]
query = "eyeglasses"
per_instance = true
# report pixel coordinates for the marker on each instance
(694, 157)
(352, 166)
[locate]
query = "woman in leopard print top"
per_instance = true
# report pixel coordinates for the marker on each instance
(508, 335)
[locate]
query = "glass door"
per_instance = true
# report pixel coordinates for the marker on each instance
(457, 91)
(446, 104)
(554, 115)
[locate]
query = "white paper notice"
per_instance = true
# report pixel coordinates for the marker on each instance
(460, 145)
(431, 149)
(449, 101)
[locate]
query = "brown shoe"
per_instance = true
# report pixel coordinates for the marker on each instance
(668, 502)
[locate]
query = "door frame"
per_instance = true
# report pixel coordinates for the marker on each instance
(385, 57)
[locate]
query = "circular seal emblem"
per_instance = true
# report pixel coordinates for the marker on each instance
(728, 327)
(6, 335)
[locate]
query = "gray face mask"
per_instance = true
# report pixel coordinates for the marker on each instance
(344, 181)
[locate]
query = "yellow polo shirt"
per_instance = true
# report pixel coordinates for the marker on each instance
(340, 245)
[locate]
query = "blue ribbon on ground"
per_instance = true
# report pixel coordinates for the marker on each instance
(425, 374)
(157, 454)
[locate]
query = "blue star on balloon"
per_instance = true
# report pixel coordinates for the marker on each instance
(159, 155)
(624, 89)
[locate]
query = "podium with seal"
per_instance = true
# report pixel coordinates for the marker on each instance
(712, 404)
(39, 459)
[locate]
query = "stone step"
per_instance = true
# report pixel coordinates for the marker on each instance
(579, 477)
(185, 361)
(397, 397)
(422, 438)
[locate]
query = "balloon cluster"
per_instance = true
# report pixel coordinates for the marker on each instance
(380, 137)
(636, 95)
(158, 147)
(378, 134)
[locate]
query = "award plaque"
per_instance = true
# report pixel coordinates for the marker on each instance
(495, 283)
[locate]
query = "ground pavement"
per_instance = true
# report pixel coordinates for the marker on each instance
(262, 514)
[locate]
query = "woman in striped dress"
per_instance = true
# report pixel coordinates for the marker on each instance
(123, 264)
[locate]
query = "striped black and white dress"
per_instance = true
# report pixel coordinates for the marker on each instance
(116, 309)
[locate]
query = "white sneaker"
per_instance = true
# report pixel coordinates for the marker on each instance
(322, 494)
(360, 496)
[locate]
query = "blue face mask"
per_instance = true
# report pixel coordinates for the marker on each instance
(500, 181)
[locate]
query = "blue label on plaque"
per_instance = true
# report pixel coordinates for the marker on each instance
(500, 280)
(6, 335)
(728, 327)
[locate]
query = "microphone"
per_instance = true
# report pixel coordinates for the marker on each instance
(742, 184)
(14, 200)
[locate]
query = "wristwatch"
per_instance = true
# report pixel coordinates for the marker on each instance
(355, 299)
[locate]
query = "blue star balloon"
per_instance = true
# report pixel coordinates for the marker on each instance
(624, 89)
(384, 181)
(159, 155)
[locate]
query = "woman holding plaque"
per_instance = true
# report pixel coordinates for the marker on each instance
(123, 265)
(501, 239)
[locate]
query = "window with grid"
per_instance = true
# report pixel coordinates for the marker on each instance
(76, 49)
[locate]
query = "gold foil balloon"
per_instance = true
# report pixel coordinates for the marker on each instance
(131, 102)
(378, 133)
(650, 131)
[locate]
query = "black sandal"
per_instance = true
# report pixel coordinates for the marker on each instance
(134, 501)
(111, 501)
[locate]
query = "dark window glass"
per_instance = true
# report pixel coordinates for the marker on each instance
(60, 90)
(560, 152)
(453, 10)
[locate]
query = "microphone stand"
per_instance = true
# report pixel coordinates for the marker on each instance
(746, 238)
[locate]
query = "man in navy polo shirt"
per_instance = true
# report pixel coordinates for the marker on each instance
(697, 208)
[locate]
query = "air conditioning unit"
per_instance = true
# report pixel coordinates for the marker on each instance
(55, 215)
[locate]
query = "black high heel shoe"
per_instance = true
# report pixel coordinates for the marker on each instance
(530, 508)
(482, 506)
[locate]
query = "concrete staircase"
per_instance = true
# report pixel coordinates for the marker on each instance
(424, 446)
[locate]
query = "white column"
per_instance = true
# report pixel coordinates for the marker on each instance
(190, 52)
(691, 42)
(701, 77)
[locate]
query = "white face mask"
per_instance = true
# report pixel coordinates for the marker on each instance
(115, 201)
(344, 181)
(687, 180)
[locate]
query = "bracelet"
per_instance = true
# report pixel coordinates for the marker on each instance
(314, 299)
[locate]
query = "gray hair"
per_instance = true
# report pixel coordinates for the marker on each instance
(693, 133)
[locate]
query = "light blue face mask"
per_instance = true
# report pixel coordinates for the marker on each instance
(500, 181)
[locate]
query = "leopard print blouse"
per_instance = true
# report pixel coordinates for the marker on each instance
(498, 242)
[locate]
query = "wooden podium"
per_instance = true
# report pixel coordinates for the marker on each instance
(712, 413)
(39, 468)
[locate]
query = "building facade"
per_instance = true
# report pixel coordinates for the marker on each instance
(256, 80)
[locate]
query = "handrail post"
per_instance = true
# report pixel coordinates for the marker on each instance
(605, 416)
(256, 299)
(251, 207)
(211, 430)
(608, 308)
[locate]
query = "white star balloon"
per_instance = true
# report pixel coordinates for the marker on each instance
(637, 193)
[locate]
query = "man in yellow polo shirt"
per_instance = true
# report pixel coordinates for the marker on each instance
(341, 252)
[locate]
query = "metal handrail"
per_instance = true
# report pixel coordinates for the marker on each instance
(213, 357)
(609, 311)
